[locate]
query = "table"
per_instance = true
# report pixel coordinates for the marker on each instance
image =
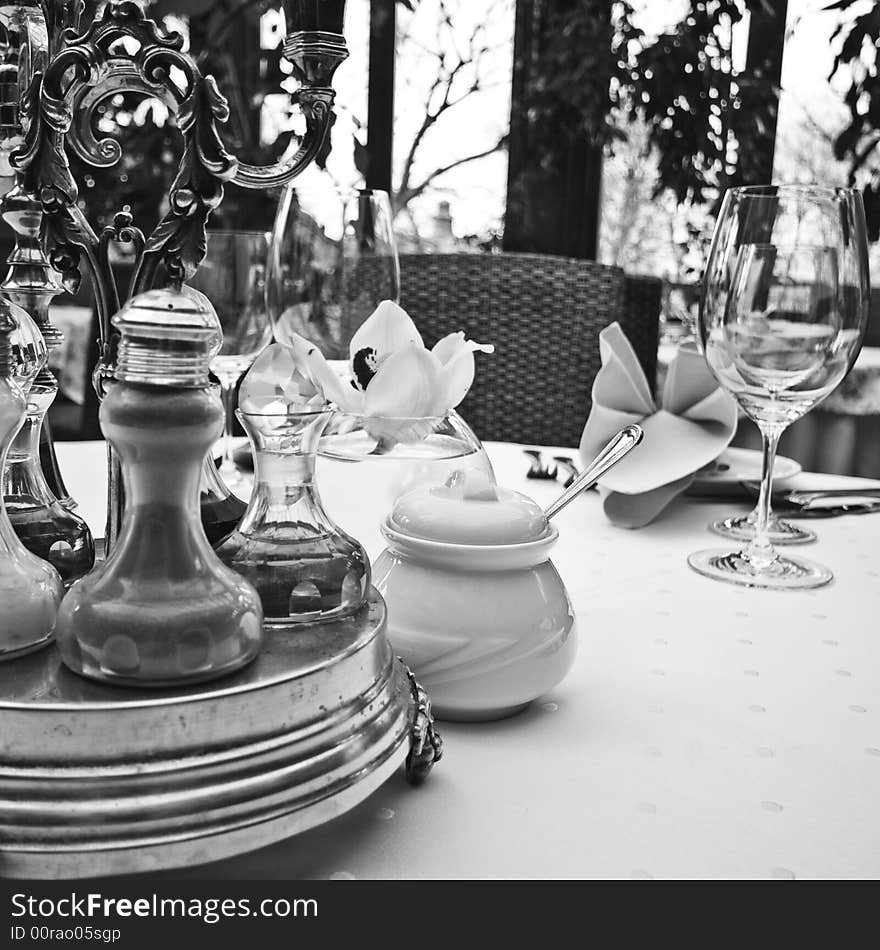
(705, 730)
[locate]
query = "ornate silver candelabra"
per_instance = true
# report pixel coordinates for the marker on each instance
(56, 71)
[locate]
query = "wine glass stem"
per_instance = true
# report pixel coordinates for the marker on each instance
(760, 551)
(227, 393)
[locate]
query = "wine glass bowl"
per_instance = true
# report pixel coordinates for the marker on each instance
(780, 346)
(781, 321)
(333, 259)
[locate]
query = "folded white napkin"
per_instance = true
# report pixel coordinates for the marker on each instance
(694, 424)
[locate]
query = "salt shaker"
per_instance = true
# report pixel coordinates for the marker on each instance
(162, 609)
(30, 588)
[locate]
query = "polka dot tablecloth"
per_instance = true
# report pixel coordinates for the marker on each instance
(705, 730)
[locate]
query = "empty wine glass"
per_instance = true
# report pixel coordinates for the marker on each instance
(233, 278)
(783, 313)
(333, 259)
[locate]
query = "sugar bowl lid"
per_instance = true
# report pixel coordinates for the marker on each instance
(468, 508)
(168, 337)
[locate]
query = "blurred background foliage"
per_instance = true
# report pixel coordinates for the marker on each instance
(859, 60)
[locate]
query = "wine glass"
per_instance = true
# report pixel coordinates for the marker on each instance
(233, 278)
(783, 313)
(332, 260)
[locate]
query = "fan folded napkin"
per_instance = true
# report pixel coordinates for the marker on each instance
(693, 425)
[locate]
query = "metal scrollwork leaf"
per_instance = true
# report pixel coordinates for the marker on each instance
(145, 68)
(180, 238)
(62, 236)
(426, 744)
(41, 157)
(61, 15)
(46, 174)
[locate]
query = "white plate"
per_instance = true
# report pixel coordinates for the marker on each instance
(743, 465)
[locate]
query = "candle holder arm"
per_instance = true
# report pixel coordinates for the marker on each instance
(314, 56)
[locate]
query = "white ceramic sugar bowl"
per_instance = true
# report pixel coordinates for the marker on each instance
(475, 606)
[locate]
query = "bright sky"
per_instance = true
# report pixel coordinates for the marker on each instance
(807, 97)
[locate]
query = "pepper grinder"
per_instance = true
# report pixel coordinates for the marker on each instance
(162, 609)
(30, 589)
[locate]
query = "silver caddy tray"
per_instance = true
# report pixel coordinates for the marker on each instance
(99, 780)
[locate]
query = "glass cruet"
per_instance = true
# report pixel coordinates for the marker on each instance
(162, 609)
(304, 566)
(221, 510)
(30, 588)
(45, 526)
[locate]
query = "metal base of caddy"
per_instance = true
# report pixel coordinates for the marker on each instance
(98, 780)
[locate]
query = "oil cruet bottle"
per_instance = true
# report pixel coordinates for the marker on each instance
(45, 526)
(305, 567)
(162, 609)
(30, 589)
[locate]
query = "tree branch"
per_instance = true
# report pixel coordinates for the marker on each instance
(429, 119)
(402, 198)
(462, 71)
(431, 116)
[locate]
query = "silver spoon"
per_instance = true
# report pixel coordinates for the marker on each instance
(620, 446)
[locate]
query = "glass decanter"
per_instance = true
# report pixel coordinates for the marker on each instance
(45, 526)
(30, 588)
(305, 568)
(162, 609)
(393, 456)
(221, 508)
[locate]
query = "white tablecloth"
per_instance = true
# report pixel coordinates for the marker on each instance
(705, 730)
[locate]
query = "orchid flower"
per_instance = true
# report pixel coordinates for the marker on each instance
(392, 381)
(391, 374)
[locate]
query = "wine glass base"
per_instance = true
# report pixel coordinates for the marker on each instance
(783, 573)
(742, 528)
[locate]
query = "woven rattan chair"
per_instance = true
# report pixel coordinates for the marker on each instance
(544, 315)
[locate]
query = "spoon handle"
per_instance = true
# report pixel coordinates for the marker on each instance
(623, 443)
